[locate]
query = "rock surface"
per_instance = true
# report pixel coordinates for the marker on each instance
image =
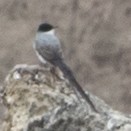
(39, 100)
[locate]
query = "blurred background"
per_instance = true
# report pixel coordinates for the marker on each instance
(95, 36)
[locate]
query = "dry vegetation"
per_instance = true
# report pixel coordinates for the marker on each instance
(95, 35)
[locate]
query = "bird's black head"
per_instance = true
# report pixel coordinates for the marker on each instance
(45, 27)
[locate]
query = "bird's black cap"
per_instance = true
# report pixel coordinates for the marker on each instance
(45, 27)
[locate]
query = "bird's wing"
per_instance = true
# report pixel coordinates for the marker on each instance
(49, 52)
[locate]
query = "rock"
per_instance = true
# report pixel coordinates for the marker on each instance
(39, 100)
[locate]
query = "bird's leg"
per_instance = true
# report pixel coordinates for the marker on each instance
(46, 65)
(56, 72)
(53, 69)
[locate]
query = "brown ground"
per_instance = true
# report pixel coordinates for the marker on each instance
(95, 35)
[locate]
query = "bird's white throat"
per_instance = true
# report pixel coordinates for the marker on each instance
(51, 32)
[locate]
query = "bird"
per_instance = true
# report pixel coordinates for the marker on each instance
(48, 49)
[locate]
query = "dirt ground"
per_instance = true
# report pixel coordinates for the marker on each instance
(95, 37)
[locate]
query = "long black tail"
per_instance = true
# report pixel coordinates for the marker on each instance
(69, 75)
